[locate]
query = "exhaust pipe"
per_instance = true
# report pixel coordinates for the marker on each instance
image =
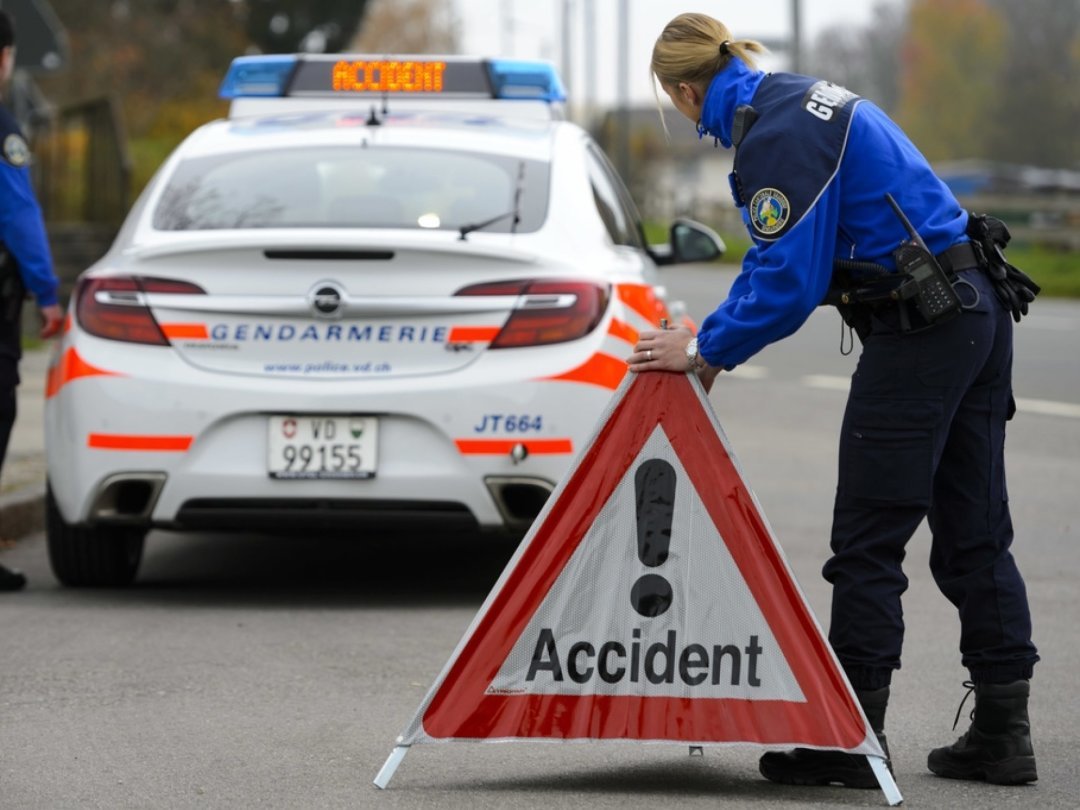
(127, 497)
(519, 498)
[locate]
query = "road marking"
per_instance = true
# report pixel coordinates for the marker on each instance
(1047, 407)
(1052, 323)
(1043, 407)
(827, 382)
(750, 372)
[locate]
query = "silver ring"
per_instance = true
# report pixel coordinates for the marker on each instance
(648, 354)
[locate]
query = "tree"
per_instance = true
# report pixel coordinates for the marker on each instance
(289, 26)
(952, 58)
(408, 26)
(156, 57)
(864, 60)
(1038, 101)
(997, 79)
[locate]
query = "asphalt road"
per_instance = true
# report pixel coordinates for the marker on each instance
(277, 672)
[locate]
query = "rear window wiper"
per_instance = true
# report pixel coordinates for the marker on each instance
(519, 187)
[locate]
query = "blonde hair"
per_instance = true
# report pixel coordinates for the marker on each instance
(693, 48)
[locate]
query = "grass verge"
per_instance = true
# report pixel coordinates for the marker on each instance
(1056, 271)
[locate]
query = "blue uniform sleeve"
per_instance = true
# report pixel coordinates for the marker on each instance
(781, 283)
(22, 230)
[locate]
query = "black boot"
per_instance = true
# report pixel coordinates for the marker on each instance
(11, 580)
(806, 766)
(997, 746)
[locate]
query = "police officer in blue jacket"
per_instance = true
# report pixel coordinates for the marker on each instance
(25, 261)
(923, 433)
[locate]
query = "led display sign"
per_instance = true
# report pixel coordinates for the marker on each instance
(338, 75)
(386, 76)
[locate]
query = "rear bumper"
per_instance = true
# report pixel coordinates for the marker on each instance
(201, 459)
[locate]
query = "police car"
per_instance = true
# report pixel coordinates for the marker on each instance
(384, 290)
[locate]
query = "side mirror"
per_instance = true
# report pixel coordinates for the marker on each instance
(689, 242)
(693, 242)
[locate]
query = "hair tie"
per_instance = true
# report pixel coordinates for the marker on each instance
(725, 47)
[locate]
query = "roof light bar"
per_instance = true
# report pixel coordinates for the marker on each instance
(329, 75)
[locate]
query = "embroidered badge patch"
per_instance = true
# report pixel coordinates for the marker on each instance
(769, 211)
(16, 152)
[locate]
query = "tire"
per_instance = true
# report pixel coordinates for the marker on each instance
(91, 556)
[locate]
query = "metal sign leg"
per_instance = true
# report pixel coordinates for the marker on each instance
(885, 779)
(386, 773)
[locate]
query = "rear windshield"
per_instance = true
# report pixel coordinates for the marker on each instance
(355, 187)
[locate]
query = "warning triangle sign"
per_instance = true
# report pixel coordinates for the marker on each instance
(649, 601)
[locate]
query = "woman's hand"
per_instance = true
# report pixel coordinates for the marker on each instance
(664, 350)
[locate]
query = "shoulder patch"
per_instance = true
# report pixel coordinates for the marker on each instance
(769, 211)
(16, 152)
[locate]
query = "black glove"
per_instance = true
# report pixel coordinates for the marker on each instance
(1015, 288)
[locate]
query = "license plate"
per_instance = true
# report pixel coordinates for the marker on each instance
(317, 446)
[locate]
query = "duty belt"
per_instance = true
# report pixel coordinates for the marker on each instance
(958, 257)
(869, 283)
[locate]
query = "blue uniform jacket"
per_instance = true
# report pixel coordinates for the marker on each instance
(22, 228)
(811, 175)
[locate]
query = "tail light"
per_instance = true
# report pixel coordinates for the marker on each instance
(116, 308)
(547, 311)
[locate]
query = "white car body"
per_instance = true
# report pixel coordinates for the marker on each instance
(362, 325)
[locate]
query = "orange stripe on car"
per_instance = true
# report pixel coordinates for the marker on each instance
(473, 334)
(600, 369)
(124, 441)
(185, 331)
(71, 367)
(623, 331)
(642, 299)
(502, 447)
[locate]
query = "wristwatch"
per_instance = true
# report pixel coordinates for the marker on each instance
(693, 359)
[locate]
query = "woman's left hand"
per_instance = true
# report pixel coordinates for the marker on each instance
(664, 350)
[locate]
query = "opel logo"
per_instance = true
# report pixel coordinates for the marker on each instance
(326, 299)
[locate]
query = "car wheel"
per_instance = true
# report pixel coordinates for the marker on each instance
(91, 556)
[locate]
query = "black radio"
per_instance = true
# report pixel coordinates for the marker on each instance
(925, 284)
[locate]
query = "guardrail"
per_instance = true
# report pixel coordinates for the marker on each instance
(1048, 219)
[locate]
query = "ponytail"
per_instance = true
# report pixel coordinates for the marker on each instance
(693, 48)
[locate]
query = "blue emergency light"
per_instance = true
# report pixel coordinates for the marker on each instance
(323, 75)
(257, 76)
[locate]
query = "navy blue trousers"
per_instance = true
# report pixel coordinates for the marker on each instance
(924, 437)
(9, 380)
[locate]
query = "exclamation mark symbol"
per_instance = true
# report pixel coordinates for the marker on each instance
(654, 483)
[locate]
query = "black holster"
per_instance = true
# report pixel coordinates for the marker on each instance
(857, 289)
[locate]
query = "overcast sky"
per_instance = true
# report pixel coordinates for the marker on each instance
(535, 31)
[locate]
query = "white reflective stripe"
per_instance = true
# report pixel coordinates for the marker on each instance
(547, 301)
(121, 299)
